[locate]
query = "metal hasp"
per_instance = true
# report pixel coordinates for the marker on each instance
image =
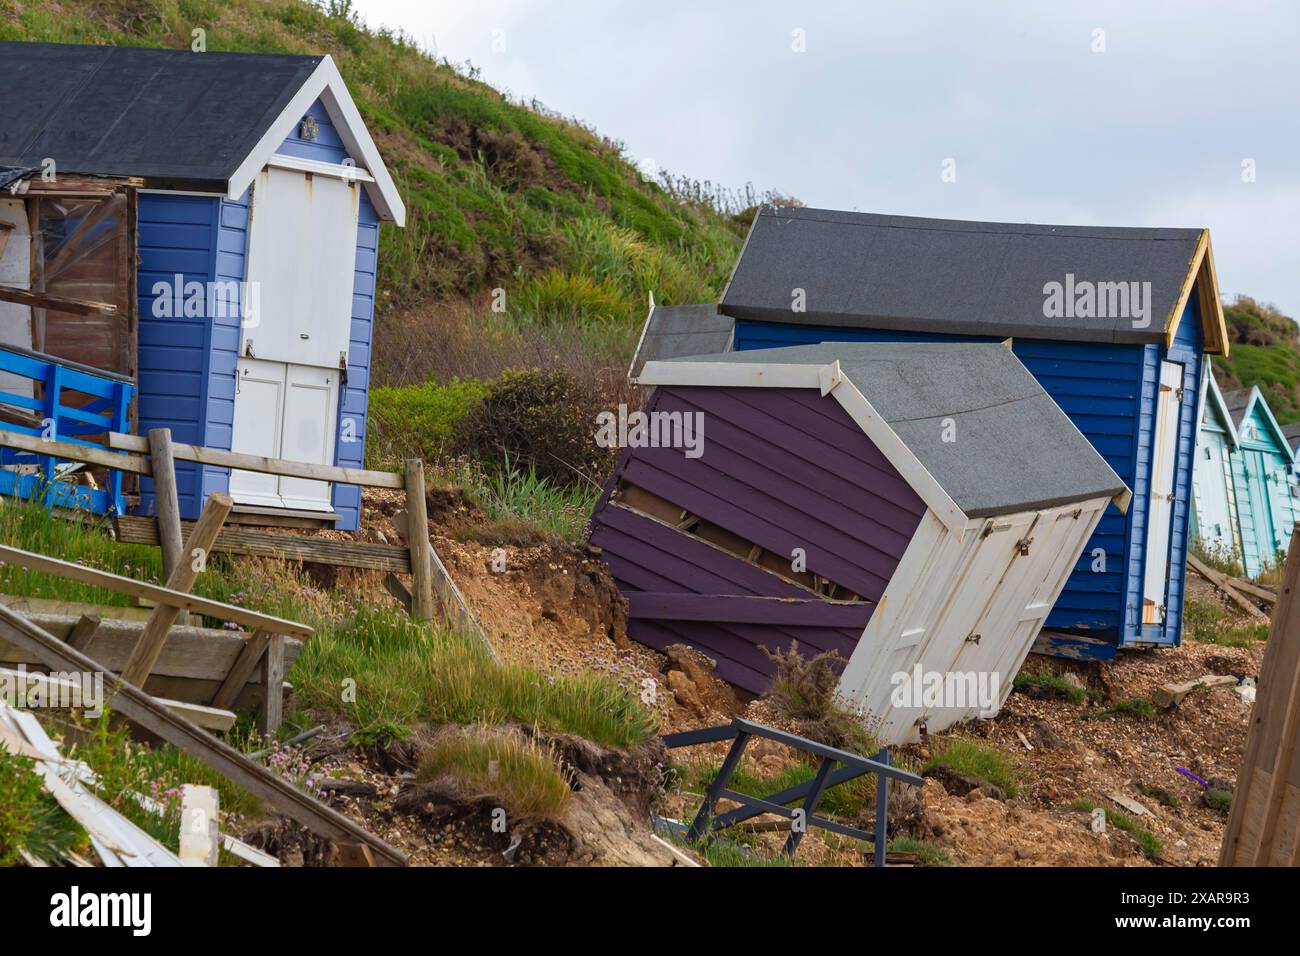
(706, 825)
(76, 403)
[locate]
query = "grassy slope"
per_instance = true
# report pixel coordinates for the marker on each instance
(498, 194)
(1265, 352)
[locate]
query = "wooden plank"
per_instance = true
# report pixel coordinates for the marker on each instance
(167, 499)
(267, 466)
(32, 605)
(1167, 695)
(242, 670)
(1270, 752)
(152, 592)
(199, 836)
(42, 300)
(136, 705)
(272, 685)
(193, 560)
(86, 454)
(192, 655)
(210, 718)
(398, 590)
(139, 529)
(417, 537)
(1220, 580)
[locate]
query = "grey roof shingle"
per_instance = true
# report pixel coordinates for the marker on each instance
(674, 331)
(1014, 449)
(133, 111)
(1236, 402)
(941, 275)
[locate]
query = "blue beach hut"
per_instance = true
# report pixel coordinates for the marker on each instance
(201, 228)
(1113, 322)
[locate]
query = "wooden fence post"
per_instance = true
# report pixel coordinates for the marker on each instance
(166, 497)
(273, 684)
(154, 635)
(417, 536)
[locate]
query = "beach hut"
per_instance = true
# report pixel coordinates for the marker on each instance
(1214, 516)
(201, 229)
(1114, 323)
(1263, 476)
(915, 508)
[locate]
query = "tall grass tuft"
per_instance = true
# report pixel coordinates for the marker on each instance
(507, 767)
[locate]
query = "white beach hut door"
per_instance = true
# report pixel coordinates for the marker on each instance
(1160, 515)
(301, 263)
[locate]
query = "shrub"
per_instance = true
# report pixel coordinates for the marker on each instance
(564, 297)
(805, 692)
(418, 421)
(539, 421)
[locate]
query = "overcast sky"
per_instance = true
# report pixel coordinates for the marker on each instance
(1094, 113)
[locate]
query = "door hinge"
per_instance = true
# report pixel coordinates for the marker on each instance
(1171, 497)
(343, 370)
(1023, 545)
(248, 349)
(973, 638)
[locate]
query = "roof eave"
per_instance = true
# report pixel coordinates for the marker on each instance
(1202, 277)
(326, 84)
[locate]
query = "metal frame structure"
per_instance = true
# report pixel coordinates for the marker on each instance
(706, 825)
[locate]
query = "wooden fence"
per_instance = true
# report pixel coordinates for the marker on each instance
(155, 456)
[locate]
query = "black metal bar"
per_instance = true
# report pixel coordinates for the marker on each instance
(821, 750)
(819, 785)
(706, 735)
(762, 805)
(719, 785)
(882, 811)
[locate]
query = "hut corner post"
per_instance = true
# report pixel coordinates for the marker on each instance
(417, 536)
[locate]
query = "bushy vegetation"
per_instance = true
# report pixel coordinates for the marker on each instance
(543, 422)
(1265, 352)
(1205, 621)
(417, 421)
(30, 819)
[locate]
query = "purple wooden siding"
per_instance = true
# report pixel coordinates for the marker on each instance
(785, 469)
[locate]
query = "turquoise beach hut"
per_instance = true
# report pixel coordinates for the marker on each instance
(1262, 475)
(1214, 515)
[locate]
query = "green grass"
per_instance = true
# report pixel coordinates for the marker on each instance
(1205, 621)
(927, 853)
(977, 761)
(1054, 683)
(1218, 799)
(520, 496)
(1148, 842)
(504, 532)
(486, 763)
(1138, 707)
(30, 819)
(385, 671)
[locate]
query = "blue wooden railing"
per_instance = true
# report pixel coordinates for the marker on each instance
(76, 402)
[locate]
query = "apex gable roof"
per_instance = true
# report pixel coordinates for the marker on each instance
(967, 278)
(202, 120)
(1242, 404)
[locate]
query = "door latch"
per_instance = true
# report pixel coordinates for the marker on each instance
(1023, 545)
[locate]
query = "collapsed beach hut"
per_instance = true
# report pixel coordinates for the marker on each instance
(1263, 478)
(1114, 323)
(1214, 518)
(904, 505)
(188, 240)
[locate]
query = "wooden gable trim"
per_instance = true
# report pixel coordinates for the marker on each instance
(1257, 398)
(1204, 279)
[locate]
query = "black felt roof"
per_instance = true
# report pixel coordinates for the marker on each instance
(132, 111)
(673, 331)
(1012, 448)
(942, 275)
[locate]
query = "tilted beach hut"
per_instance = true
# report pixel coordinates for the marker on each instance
(1214, 518)
(904, 505)
(192, 239)
(1263, 476)
(1114, 323)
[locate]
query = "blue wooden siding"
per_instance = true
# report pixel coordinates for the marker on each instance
(1110, 393)
(177, 235)
(350, 444)
(328, 145)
